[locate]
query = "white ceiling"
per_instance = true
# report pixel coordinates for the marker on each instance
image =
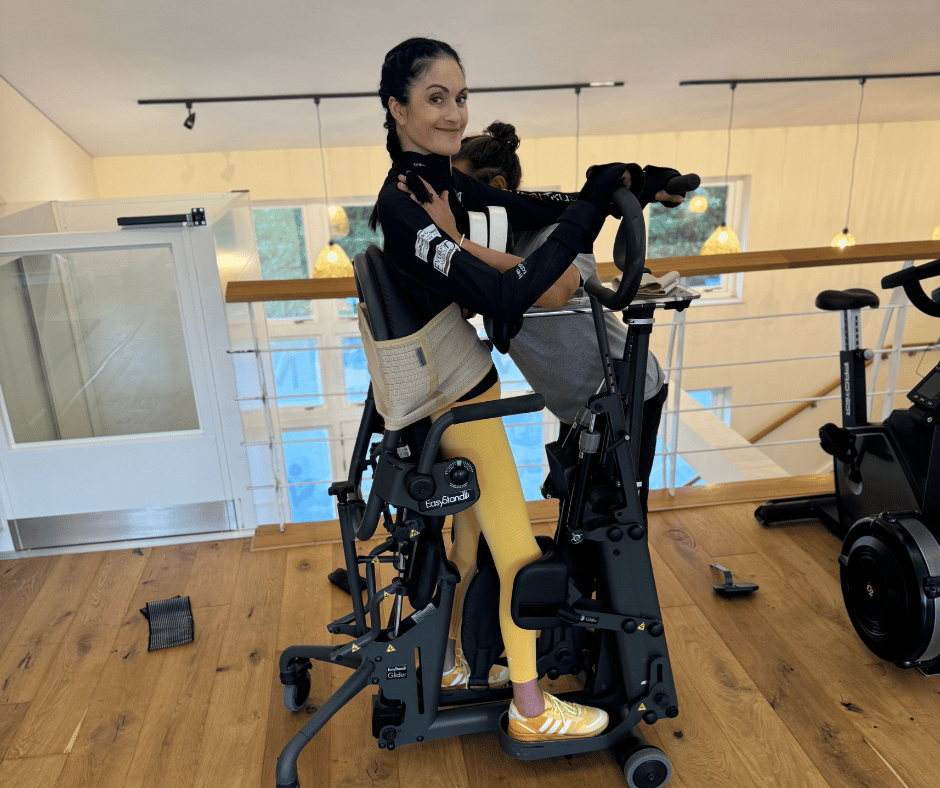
(85, 63)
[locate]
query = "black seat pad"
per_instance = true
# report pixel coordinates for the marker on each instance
(839, 300)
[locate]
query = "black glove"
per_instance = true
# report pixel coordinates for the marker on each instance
(500, 333)
(604, 179)
(668, 179)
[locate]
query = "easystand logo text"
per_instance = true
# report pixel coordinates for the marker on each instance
(446, 500)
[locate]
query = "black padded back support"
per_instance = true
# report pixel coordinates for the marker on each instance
(390, 313)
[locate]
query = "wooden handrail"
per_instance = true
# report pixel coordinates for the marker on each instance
(307, 289)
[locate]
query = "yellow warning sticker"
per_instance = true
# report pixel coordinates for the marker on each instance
(642, 707)
(642, 626)
(414, 532)
(375, 560)
(390, 649)
(355, 647)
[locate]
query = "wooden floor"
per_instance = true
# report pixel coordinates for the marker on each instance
(775, 690)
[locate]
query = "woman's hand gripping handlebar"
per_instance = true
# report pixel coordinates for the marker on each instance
(910, 279)
(630, 245)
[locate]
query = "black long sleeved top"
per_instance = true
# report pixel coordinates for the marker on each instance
(435, 272)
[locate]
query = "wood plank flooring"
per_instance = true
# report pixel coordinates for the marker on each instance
(774, 690)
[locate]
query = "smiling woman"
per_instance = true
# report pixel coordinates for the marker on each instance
(423, 211)
(435, 118)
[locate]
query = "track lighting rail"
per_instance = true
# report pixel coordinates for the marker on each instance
(766, 80)
(576, 86)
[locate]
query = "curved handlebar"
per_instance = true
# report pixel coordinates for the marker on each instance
(680, 184)
(910, 279)
(630, 244)
(629, 254)
(510, 406)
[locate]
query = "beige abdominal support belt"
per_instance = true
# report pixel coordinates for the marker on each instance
(423, 373)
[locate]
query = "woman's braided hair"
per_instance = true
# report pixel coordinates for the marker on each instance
(402, 67)
(493, 153)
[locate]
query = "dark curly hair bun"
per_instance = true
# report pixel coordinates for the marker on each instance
(504, 133)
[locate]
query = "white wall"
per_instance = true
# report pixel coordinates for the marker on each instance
(39, 162)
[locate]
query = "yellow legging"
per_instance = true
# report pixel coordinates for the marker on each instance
(501, 516)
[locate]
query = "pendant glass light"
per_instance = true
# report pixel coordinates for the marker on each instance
(339, 222)
(936, 233)
(698, 204)
(332, 262)
(845, 238)
(724, 240)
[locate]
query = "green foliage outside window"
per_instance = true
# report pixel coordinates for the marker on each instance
(282, 254)
(677, 232)
(360, 236)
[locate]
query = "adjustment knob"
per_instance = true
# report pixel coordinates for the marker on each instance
(459, 475)
(421, 487)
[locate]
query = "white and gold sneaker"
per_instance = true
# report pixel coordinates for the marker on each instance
(560, 720)
(457, 677)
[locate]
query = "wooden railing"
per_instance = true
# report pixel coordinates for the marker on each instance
(743, 262)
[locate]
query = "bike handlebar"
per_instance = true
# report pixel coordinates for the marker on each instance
(910, 279)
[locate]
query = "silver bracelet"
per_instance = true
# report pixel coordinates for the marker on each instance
(460, 245)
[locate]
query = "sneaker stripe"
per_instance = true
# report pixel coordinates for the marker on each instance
(564, 728)
(548, 724)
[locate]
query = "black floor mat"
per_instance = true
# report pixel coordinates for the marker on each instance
(171, 622)
(340, 579)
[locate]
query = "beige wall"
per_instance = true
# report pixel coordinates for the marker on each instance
(799, 176)
(38, 162)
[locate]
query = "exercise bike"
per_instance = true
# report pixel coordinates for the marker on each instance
(592, 595)
(887, 495)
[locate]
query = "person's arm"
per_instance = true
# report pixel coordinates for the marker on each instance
(439, 211)
(430, 254)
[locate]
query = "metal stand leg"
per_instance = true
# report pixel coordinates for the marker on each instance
(287, 761)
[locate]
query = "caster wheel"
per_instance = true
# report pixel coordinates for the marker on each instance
(295, 695)
(647, 767)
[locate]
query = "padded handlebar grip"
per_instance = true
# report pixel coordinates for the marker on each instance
(511, 406)
(910, 279)
(916, 272)
(681, 184)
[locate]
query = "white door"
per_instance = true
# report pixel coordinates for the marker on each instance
(117, 405)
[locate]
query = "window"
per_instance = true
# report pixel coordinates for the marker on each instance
(355, 370)
(282, 254)
(510, 378)
(659, 478)
(296, 365)
(307, 459)
(360, 236)
(718, 401)
(677, 232)
(527, 441)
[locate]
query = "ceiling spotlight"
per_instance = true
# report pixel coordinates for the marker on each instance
(191, 119)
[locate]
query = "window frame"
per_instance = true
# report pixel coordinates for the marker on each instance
(730, 288)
